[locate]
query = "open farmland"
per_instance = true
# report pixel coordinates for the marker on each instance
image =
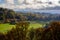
(36, 25)
(6, 27)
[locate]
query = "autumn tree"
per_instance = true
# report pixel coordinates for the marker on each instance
(53, 32)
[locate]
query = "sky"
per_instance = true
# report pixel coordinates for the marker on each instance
(28, 4)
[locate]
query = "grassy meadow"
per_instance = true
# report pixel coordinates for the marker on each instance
(6, 27)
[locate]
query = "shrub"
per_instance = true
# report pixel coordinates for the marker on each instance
(53, 32)
(21, 32)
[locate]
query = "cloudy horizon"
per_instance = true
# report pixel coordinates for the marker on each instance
(31, 4)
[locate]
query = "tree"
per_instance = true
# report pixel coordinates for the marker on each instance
(53, 32)
(31, 34)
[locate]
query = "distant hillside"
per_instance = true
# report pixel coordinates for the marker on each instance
(8, 15)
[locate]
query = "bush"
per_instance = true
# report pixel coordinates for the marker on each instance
(52, 33)
(21, 32)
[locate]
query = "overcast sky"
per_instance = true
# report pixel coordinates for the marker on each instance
(33, 4)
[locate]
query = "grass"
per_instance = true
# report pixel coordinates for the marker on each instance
(36, 25)
(6, 27)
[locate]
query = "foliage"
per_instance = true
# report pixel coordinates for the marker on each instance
(18, 33)
(21, 31)
(53, 32)
(8, 15)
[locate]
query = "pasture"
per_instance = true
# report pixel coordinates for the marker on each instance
(6, 27)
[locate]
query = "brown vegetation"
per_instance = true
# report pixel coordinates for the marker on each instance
(21, 33)
(53, 32)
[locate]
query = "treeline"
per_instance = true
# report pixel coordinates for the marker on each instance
(8, 15)
(21, 32)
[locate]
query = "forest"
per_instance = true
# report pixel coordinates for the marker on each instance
(8, 15)
(22, 21)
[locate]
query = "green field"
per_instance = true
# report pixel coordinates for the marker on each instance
(5, 27)
(36, 25)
